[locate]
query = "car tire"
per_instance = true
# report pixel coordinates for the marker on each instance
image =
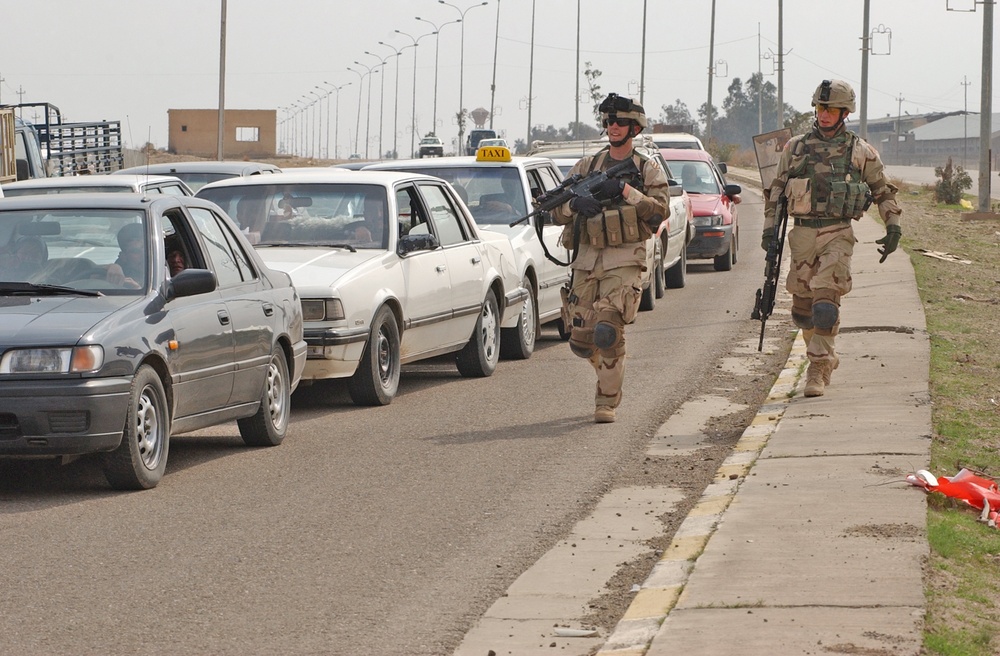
(140, 460)
(518, 343)
(478, 358)
(725, 261)
(658, 273)
(270, 423)
(376, 380)
(676, 276)
(648, 299)
(564, 332)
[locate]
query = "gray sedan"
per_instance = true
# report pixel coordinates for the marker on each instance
(125, 319)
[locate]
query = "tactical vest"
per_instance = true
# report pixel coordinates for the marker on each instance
(618, 224)
(824, 178)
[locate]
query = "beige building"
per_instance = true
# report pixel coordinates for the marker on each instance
(249, 133)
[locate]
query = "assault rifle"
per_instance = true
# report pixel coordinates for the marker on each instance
(578, 185)
(764, 304)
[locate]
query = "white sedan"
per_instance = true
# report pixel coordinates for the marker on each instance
(390, 267)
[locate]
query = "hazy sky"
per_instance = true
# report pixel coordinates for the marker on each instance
(133, 60)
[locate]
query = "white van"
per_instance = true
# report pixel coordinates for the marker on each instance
(673, 140)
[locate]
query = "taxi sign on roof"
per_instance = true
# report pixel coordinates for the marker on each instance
(493, 154)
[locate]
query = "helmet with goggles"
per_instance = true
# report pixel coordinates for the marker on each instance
(834, 93)
(614, 106)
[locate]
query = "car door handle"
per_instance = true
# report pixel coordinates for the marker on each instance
(477, 260)
(268, 309)
(223, 317)
(440, 268)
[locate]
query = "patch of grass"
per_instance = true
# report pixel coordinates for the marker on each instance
(962, 307)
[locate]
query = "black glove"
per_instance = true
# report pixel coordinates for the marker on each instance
(611, 189)
(890, 242)
(586, 206)
(766, 237)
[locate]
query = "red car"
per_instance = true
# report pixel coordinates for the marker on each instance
(716, 220)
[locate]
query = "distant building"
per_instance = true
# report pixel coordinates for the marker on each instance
(250, 133)
(930, 139)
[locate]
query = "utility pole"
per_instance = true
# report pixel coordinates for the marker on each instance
(987, 108)
(642, 65)
(576, 114)
(222, 82)
(865, 48)
(965, 122)
(899, 118)
(493, 84)
(531, 73)
(711, 74)
(781, 66)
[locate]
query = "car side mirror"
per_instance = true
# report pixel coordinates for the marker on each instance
(722, 167)
(675, 188)
(732, 190)
(418, 242)
(191, 282)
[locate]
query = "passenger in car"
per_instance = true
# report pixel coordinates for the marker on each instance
(28, 257)
(129, 270)
(373, 227)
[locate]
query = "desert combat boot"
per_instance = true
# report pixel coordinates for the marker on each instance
(818, 376)
(604, 415)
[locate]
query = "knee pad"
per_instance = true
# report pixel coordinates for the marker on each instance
(802, 312)
(825, 316)
(581, 341)
(606, 335)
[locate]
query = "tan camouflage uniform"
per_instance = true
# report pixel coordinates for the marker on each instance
(825, 181)
(607, 282)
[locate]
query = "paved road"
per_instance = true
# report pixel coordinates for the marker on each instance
(370, 530)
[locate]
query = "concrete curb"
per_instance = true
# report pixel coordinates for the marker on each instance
(659, 593)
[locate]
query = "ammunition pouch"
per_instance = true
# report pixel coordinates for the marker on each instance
(613, 227)
(846, 200)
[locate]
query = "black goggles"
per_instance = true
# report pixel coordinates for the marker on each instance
(615, 103)
(616, 120)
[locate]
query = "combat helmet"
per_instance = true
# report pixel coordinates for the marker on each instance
(615, 105)
(834, 93)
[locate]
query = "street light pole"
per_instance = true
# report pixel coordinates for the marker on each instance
(395, 100)
(319, 100)
(357, 126)
(461, 70)
(336, 120)
(493, 82)
(413, 110)
(437, 52)
(368, 111)
(381, 100)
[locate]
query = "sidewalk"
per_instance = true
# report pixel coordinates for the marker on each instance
(808, 541)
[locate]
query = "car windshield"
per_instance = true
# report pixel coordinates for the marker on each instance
(197, 180)
(493, 194)
(349, 215)
(430, 140)
(87, 249)
(695, 176)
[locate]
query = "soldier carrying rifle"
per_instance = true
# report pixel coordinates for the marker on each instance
(828, 178)
(608, 232)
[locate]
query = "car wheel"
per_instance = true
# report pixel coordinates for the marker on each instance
(648, 299)
(564, 332)
(478, 358)
(268, 426)
(518, 343)
(658, 276)
(676, 276)
(140, 460)
(377, 378)
(724, 262)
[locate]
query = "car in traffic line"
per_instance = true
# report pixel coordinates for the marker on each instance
(714, 201)
(199, 173)
(431, 146)
(391, 269)
(105, 350)
(498, 188)
(102, 183)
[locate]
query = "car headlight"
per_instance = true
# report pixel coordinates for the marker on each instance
(323, 309)
(710, 220)
(74, 360)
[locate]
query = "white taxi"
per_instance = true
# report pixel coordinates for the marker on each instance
(390, 267)
(498, 189)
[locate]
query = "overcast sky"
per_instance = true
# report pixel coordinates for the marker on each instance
(133, 60)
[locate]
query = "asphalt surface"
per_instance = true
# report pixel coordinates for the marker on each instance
(810, 542)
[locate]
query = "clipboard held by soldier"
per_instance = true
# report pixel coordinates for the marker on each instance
(768, 147)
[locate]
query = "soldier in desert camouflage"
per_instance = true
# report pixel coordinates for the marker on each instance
(610, 230)
(829, 177)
